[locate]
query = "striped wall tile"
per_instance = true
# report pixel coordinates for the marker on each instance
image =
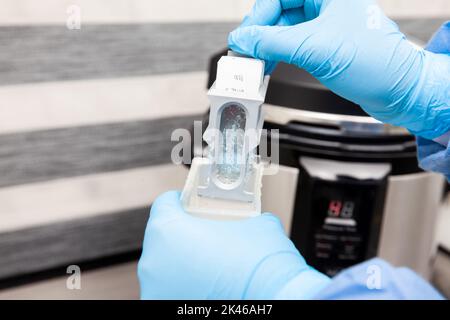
(416, 8)
(52, 154)
(86, 196)
(51, 105)
(53, 224)
(120, 11)
(422, 29)
(60, 244)
(54, 53)
(112, 282)
(141, 11)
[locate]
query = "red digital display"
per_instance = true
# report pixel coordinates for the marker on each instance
(341, 209)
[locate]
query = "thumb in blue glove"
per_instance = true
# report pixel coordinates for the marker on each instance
(356, 51)
(186, 257)
(440, 42)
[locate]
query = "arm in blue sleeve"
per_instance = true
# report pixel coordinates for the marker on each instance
(377, 280)
(435, 155)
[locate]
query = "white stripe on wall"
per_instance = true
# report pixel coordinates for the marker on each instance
(122, 11)
(139, 11)
(37, 106)
(81, 197)
(416, 8)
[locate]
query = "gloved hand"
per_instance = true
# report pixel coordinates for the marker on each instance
(357, 52)
(186, 257)
(440, 42)
(435, 156)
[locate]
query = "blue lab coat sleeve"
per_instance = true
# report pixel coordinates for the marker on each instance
(377, 280)
(434, 155)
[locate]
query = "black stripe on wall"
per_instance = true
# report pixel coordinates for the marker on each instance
(45, 155)
(63, 243)
(50, 53)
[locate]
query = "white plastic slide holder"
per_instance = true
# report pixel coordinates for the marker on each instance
(226, 184)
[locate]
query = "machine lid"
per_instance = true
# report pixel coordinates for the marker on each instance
(295, 88)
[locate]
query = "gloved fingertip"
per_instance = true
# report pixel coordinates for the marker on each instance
(270, 67)
(167, 202)
(267, 214)
(234, 43)
(244, 40)
(237, 43)
(171, 195)
(247, 21)
(271, 217)
(231, 38)
(234, 37)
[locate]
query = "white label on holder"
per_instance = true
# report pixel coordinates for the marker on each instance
(239, 75)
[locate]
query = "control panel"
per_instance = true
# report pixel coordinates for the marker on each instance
(337, 219)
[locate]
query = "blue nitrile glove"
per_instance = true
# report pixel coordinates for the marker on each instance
(376, 279)
(186, 257)
(440, 42)
(435, 155)
(357, 52)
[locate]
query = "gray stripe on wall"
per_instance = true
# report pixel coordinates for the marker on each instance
(421, 29)
(60, 244)
(51, 154)
(51, 53)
